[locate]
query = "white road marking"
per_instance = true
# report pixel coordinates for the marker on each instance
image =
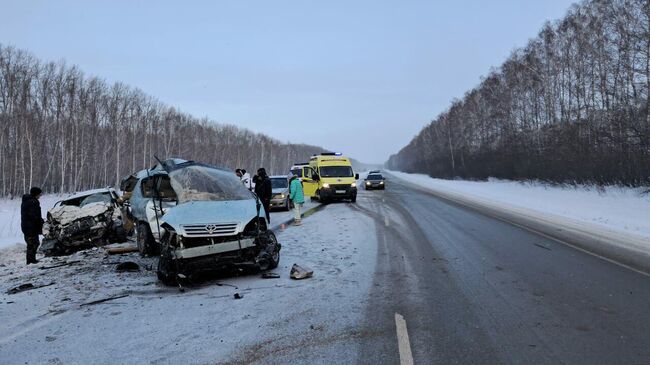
(405, 355)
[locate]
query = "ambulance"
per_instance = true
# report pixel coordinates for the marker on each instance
(329, 177)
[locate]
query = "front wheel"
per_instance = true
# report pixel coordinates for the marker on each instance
(354, 198)
(166, 268)
(144, 239)
(270, 250)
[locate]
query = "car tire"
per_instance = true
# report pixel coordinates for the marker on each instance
(144, 239)
(275, 256)
(322, 199)
(354, 198)
(287, 205)
(166, 271)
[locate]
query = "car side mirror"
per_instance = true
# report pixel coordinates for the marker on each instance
(315, 177)
(356, 176)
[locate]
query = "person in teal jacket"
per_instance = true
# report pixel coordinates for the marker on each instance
(297, 197)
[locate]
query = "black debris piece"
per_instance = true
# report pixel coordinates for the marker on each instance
(270, 275)
(104, 300)
(238, 296)
(127, 266)
(25, 287)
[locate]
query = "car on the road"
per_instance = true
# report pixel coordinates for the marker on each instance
(329, 177)
(299, 169)
(280, 198)
(216, 223)
(84, 219)
(374, 180)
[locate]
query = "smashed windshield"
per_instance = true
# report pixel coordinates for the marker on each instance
(279, 183)
(336, 171)
(200, 183)
(97, 198)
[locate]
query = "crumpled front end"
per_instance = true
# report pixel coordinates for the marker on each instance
(69, 228)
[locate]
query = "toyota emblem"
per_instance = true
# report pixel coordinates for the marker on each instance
(211, 228)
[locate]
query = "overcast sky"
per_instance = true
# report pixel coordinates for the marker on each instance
(360, 77)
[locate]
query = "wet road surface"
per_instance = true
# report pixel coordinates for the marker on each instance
(473, 289)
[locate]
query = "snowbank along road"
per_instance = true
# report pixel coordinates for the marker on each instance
(401, 277)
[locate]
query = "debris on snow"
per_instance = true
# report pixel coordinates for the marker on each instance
(270, 275)
(59, 265)
(129, 266)
(104, 300)
(25, 287)
(121, 250)
(298, 272)
(238, 296)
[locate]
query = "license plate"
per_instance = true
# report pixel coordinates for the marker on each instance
(340, 191)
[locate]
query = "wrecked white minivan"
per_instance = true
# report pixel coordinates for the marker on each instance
(82, 220)
(215, 224)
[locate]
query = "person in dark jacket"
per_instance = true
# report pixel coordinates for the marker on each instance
(31, 222)
(264, 190)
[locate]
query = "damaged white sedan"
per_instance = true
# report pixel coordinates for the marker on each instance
(86, 219)
(215, 223)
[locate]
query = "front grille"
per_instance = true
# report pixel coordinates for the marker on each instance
(190, 242)
(340, 186)
(210, 230)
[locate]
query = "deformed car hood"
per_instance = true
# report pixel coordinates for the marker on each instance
(207, 212)
(280, 191)
(66, 214)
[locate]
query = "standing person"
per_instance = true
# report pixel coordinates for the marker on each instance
(297, 197)
(246, 179)
(31, 222)
(264, 190)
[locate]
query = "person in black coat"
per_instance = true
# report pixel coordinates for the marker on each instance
(31, 222)
(264, 190)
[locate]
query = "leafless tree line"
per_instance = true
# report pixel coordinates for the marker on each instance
(572, 106)
(64, 131)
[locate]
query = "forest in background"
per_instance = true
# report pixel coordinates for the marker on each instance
(64, 131)
(572, 106)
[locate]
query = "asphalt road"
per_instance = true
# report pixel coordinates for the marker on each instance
(473, 289)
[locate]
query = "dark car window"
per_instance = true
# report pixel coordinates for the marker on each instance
(165, 190)
(297, 171)
(279, 183)
(375, 177)
(336, 171)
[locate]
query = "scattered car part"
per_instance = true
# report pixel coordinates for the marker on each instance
(299, 272)
(129, 266)
(26, 286)
(270, 275)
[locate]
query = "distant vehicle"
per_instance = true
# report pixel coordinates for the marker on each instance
(298, 169)
(375, 180)
(280, 197)
(85, 219)
(329, 177)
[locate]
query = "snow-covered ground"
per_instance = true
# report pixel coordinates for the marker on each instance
(614, 208)
(276, 321)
